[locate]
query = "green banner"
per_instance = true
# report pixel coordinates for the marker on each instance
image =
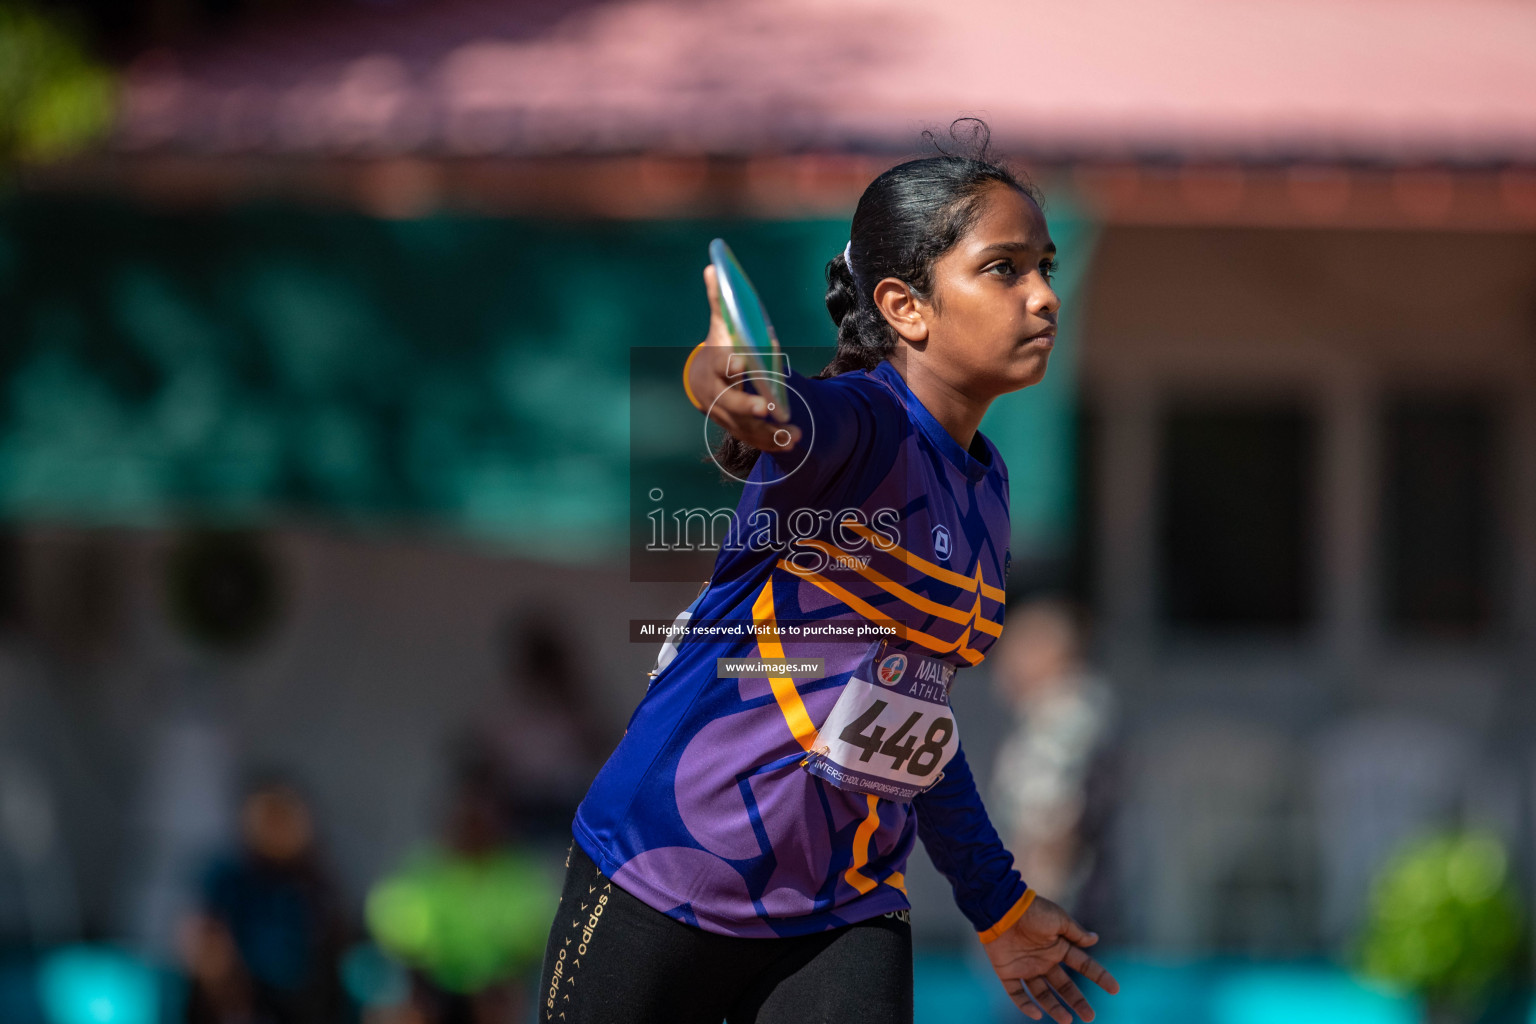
(458, 373)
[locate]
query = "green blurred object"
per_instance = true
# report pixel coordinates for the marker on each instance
(1446, 921)
(465, 922)
(462, 374)
(454, 373)
(55, 99)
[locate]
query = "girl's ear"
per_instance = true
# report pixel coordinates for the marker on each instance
(903, 310)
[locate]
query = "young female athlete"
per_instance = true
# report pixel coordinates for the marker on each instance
(740, 857)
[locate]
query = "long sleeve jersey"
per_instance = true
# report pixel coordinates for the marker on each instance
(706, 810)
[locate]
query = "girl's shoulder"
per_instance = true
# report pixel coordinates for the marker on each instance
(870, 386)
(855, 396)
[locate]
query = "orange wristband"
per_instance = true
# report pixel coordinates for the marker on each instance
(686, 389)
(1009, 919)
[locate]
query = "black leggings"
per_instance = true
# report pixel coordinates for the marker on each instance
(613, 960)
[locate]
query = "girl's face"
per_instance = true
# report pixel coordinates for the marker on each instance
(991, 318)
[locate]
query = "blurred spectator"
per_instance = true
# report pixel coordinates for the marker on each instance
(539, 732)
(1049, 793)
(471, 916)
(265, 944)
(37, 893)
(39, 901)
(183, 808)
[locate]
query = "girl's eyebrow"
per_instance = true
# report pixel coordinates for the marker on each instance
(1008, 247)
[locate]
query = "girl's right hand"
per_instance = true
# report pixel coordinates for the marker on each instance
(712, 386)
(1028, 959)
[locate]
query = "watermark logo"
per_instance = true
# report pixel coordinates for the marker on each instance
(892, 668)
(853, 533)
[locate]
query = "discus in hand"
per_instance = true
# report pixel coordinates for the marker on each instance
(755, 345)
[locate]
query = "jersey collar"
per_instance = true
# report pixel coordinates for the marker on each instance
(961, 459)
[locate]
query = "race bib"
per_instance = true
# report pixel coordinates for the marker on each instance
(891, 732)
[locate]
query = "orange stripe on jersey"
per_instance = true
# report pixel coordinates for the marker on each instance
(890, 586)
(988, 590)
(914, 599)
(870, 612)
(784, 692)
(861, 841)
(922, 565)
(983, 623)
(917, 562)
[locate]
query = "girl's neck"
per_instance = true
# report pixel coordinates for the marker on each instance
(957, 412)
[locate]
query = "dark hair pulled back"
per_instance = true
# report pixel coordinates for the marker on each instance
(908, 217)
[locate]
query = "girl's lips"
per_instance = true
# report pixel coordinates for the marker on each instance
(1044, 340)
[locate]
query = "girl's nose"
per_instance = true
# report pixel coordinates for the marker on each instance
(1044, 300)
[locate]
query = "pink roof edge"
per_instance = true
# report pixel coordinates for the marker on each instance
(1389, 80)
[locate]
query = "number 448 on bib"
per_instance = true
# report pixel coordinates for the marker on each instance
(890, 740)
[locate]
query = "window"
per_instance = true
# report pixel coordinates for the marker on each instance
(1235, 542)
(1440, 527)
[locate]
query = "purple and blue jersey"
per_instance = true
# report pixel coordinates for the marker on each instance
(775, 806)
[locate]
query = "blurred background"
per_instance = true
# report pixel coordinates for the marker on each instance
(318, 432)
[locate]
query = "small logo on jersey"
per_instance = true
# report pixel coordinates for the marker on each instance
(941, 543)
(1007, 566)
(892, 669)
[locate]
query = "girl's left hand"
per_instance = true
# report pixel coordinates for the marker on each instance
(1031, 956)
